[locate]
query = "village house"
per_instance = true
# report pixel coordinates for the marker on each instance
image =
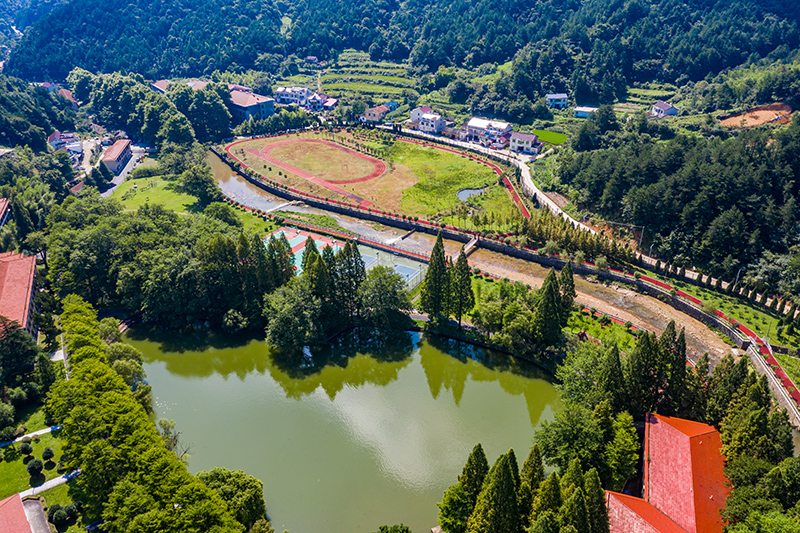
(160, 86)
(416, 114)
(375, 114)
(584, 111)
(431, 123)
(58, 139)
(17, 278)
(525, 142)
(492, 133)
(247, 105)
(684, 481)
(117, 156)
(292, 95)
(557, 100)
(321, 102)
(662, 109)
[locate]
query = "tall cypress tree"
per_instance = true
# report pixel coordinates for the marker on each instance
(545, 523)
(462, 297)
(596, 502)
(547, 318)
(474, 473)
(573, 478)
(566, 284)
(610, 381)
(496, 509)
(643, 378)
(433, 299)
(574, 512)
(512, 461)
(549, 497)
(309, 248)
(531, 479)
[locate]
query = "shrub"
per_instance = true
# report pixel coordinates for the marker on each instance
(7, 433)
(6, 415)
(48, 453)
(17, 396)
(25, 448)
(71, 510)
(53, 510)
(60, 518)
(35, 467)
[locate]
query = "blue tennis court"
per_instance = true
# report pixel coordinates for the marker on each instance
(369, 260)
(406, 272)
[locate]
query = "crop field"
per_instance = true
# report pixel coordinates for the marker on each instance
(778, 113)
(406, 178)
(551, 137)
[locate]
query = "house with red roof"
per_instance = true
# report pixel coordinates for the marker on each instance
(117, 155)
(17, 278)
(684, 481)
(249, 105)
(12, 516)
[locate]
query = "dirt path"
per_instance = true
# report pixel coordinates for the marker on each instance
(622, 302)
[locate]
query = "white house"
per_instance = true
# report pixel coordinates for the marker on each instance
(525, 142)
(293, 95)
(584, 111)
(557, 100)
(431, 123)
(662, 109)
(488, 132)
(316, 102)
(416, 114)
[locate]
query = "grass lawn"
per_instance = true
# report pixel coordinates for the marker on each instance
(323, 221)
(64, 495)
(551, 137)
(495, 199)
(611, 333)
(135, 193)
(13, 474)
(441, 175)
(791, 366)
(32, 417)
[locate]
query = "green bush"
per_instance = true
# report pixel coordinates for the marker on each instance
(48, 453)
(25, 448)
(35, 467)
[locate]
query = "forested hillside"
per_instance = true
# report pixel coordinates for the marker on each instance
(19, 14)
(28, 114)
(595, 47)
(716, 204)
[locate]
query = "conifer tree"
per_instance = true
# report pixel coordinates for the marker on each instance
(789, 317)
(547, 317)
(309, 248)
(496, 509)
(545, 523)
(433, 298)
(462, 297)
(644, 376)
(512, 461)
(596, 502)
(610, 381)
(573, 478)
(474, 474)
(566, 283)
(621, 454)
(454, 509)
(549, 497)
(531, 479)
(575, 513)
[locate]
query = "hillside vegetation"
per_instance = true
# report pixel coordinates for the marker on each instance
(594, 47)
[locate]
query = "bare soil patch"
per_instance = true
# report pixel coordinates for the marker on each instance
(778, 113)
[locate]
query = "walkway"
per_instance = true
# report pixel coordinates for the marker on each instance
(32, 434)
(55, 482)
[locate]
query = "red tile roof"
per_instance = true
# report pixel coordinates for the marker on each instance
(161, 85)
(644, 510)
(12, 516)
(116, 149)
(16, 286)
(66, 93)
(244, 99)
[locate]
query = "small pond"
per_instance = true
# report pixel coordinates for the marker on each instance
(463, 194)
(365, 433)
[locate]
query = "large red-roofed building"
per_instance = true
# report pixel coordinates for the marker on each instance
(117, 156)
(17, 276)
(684, 481)
(12, 516)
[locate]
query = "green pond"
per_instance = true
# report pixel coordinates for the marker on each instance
(364, 433)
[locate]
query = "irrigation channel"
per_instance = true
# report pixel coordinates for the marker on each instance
(358, 435)
(622, 302)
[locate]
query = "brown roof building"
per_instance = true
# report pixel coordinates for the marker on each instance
(17, 276)
(249, 105)
(117, 155)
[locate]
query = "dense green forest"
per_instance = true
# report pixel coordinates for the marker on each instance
(715, 204)
(21, 14)
(28, 114)
(593, 48)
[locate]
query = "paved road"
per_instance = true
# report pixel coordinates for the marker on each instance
(55, 482)
(31, 435)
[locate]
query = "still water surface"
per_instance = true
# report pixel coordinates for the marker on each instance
(362, 434)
